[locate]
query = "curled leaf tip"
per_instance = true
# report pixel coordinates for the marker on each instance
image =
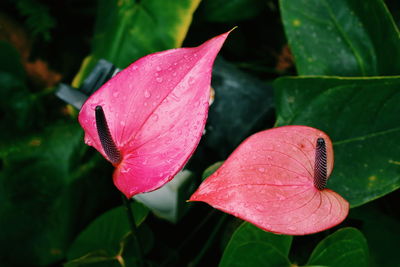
(320, 166)
(105, 137)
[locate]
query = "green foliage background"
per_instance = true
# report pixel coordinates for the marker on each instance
(58, 205)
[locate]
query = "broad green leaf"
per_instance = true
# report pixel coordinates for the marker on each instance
(127, 30)
(361, 117)
(381, 231)
(232, 10)
(342, 37)
(106, 238)
(242, 105)
(346, 247)
(251, 246)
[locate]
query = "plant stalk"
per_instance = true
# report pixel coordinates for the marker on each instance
(132, 224)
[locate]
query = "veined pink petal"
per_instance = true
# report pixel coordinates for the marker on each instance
(268, 181)
(156, 110)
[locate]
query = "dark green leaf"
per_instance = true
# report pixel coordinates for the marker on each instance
(251, 246)
(242, 105)
(346, 247)
(381, 231)
(128, 30)
(44, 185)
(34, 175)
(210, 170)
(233, 10)
(106, 238)
(342, 37)
(361, 117)
(11, 56)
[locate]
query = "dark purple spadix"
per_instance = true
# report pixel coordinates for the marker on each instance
(320, 168)
(105, 137)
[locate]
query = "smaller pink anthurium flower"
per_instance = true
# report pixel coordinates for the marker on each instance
(148, 119)
(276, 180)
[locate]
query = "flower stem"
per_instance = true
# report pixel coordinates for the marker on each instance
(132, 224)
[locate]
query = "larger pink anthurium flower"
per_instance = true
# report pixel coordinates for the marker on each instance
(149, 118)
(276, 180)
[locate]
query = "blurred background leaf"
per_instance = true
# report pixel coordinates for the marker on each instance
(233, 10)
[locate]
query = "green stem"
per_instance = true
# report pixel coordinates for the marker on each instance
(132, 224)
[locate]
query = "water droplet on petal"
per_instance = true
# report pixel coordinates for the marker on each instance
(159, 79)
(261, 169)
(158, 68)
(147, 94)
(122, 123)
(115, 94)
(154, 117)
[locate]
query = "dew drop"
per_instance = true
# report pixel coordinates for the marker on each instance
(147, 94)
(158, 68)
(145, 104)
(261, 169)
(125, 170)
(115, 94)
(122, 123)
(191, 81)
(159, 79)
(174, 74)
(154, 117)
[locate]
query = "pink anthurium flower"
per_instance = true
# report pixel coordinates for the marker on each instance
(276, 180)
(149, 118)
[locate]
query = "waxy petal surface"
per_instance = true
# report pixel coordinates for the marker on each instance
(268, 181)
(156, 111)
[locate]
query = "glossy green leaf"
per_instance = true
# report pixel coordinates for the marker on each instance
(127, 30)
(251, 246)
(346, 247)
(342, 37)
(361, 117)
(232, 10)
(107, 236)
(241, 106)
(381, 231)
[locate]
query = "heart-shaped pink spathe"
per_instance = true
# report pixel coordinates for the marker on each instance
(269, 181)
(156, 111)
